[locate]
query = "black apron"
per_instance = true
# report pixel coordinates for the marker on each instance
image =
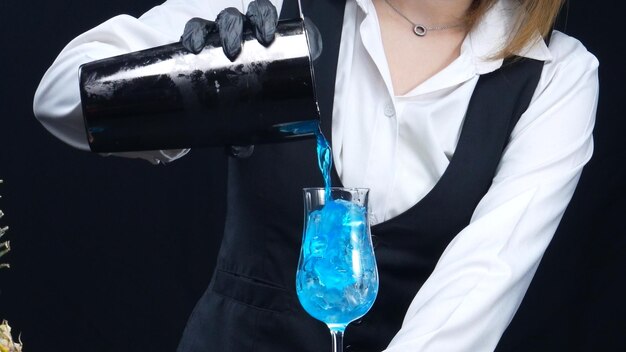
(251, 303)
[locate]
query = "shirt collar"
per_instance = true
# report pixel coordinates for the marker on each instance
(490, 35)
(364, 5)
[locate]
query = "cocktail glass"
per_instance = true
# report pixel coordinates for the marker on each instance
(337, 279)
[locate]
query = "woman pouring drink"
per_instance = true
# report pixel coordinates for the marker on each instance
(470, 121)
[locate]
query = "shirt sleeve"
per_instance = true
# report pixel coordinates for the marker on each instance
(482, 276)
(57, 99)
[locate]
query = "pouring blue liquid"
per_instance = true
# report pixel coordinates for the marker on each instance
(324, 160)
(337, 281)
(324, 153)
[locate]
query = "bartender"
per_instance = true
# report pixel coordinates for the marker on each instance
(470, 131)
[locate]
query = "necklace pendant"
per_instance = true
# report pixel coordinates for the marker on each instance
(420, 30)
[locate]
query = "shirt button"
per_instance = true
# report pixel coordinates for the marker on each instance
(389, 110)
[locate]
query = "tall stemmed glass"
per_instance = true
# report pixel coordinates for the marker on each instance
(337, 279)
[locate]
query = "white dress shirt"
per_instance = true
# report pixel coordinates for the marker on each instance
(399, 146)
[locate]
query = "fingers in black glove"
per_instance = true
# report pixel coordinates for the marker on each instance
(263, 18)
(195, 33)
(230, 25)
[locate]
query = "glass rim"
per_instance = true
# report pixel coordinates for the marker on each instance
(357, 189)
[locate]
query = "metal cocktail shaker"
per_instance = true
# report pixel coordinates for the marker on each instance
(168, 98)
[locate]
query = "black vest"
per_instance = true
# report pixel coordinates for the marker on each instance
(251, 304)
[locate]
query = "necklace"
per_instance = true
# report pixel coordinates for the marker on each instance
(419, 29)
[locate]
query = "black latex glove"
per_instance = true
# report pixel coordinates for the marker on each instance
(261, 17)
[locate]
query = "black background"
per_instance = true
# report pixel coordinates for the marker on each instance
(111, 254)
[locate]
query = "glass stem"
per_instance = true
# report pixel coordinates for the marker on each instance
(337, 337)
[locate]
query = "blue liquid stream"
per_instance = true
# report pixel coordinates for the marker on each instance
(337, 281)
(324, 153)
(324, 160)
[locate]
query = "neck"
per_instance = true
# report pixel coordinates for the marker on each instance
(433, 12)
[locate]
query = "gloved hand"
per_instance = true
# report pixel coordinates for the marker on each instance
(261, 17)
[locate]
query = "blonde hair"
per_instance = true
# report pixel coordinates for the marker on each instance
(532, 16)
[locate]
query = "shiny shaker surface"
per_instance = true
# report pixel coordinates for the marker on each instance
(168, 98)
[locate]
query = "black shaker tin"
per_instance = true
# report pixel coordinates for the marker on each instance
(168, 98)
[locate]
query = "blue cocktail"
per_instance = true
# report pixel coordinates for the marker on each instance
(337, 279)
